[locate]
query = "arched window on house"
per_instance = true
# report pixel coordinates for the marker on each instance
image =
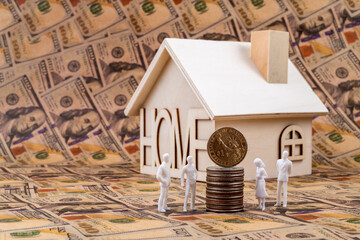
(292, 140)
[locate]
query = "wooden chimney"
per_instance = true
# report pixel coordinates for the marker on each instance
(270, 53)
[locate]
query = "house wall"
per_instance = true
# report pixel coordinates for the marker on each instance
(262, 136)
(172, 93)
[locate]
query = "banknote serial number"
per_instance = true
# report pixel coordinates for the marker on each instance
(298, 9)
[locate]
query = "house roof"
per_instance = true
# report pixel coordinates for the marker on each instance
(227, 82)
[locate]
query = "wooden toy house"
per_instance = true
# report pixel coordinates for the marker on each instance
(194, 87)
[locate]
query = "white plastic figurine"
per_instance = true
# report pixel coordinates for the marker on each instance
(190, 170)
(261, 174)
(284, 167)
(163, 176)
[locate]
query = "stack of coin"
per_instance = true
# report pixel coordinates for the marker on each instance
(224, 189)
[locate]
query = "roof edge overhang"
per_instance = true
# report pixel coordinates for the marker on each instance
(151, 75)
(273, 115)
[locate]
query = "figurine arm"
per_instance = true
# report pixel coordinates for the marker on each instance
(159, 177)
(290, 168)
(182, 176)
(265, 175)
(196, 174)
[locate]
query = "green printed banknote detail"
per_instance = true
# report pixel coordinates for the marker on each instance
(145, 16)
(254, 13)
(93, 17)
(200, 15)
(41, 15)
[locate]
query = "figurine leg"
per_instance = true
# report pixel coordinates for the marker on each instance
(259, 201)
(278, 195)
(285, 194)
(263, 204)
(192, 203)
(166, 198)
(161, 200)
(186, 196)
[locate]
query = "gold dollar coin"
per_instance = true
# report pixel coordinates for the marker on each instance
(227, 147)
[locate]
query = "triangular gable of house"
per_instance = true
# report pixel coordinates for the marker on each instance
(227, 82)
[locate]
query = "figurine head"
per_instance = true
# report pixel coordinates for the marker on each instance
(258, 162)
(190, 160)
(285, 155)
(165, 158)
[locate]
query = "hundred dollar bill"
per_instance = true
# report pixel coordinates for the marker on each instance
(197, 16)
(4, 157)
(37, 72)
(19, 188)
(27, 217)
(282, 25)
(150, 201)
(60, 233)
(69, 35)
(257, 12)
(347, 161)
(353, 6)
(181, 232)
(8, 15)
(223, 31)
(152, 41)
(306, 8)
(58, 180)
(80, 125)
(34, 170)
(112, 101)
(24, 49)
(120, 27)
(350, 26)
(332, 134)
(40, 16)
(107, 223)
(222, 225)
(339, 76)
(93, 17)
(70, 190)
(145, 16)
(317, 38)
(119, 57)
(75, 62)
(25, 126)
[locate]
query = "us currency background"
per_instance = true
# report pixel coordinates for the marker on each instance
(69, 156)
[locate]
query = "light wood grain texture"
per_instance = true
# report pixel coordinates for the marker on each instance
(270, 53)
